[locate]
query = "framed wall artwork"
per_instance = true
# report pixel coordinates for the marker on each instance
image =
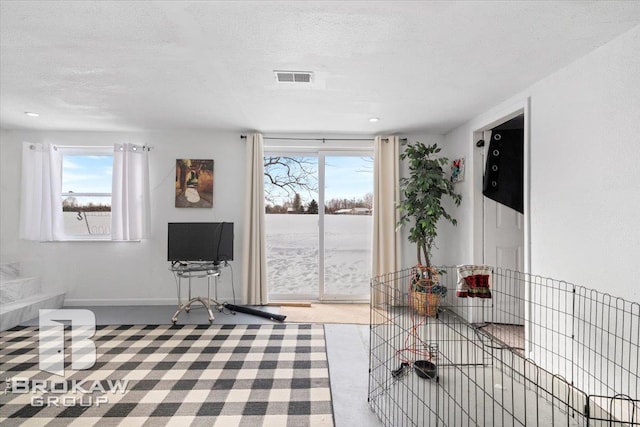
(457, 170)
(194, 183)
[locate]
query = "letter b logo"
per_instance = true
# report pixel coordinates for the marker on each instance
(51, 339)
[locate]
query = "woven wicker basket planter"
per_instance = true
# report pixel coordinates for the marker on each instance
(425, 303)
(423, 298)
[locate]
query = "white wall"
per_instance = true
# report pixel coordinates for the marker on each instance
(127, 273)
(584, 177)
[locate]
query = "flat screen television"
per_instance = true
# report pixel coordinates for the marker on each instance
(200, 242)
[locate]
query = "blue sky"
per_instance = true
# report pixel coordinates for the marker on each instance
(347, 177)
(87, 174)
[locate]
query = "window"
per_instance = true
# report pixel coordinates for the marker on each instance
(86, 192)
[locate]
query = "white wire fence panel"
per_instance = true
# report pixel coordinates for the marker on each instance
(550, 354)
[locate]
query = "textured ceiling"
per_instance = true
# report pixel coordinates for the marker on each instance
(101, 65)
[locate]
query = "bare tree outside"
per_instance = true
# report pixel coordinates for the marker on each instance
(291, 181)
(284, 177)
(368, 164)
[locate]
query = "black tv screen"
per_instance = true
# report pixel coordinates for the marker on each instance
(200, 241)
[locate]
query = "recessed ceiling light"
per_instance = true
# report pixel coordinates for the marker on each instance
(30, 114)
(374, 119)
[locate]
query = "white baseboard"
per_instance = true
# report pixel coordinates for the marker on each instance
(74, 302)
(81, 302)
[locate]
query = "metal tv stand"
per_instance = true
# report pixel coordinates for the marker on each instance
(196, 270)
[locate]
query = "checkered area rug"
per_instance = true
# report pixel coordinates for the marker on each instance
(219, 375)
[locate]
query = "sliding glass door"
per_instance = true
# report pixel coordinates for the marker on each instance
(348, 199)
(316, 253)
(291, 186)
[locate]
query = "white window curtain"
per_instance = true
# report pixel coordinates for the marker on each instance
(41, 199)
(386, 194)
(254, 253)
(130, 192)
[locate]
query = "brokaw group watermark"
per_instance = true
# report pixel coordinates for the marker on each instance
(51, 352)
(67, 393)
(51, 339)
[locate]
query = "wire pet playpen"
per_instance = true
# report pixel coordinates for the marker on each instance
(538, 352)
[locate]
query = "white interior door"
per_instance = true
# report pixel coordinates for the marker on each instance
(504, 248)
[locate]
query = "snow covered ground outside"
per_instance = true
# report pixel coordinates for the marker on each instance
(292, 254)
(94, 223)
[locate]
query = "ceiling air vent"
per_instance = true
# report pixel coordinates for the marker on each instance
(293, 76)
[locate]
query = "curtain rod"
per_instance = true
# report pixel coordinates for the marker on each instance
(89, 147)
(311, 139)
(320, 139)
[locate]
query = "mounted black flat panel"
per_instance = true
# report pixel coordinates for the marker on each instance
(504, 172)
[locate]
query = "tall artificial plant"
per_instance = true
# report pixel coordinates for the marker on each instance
(423, 191)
